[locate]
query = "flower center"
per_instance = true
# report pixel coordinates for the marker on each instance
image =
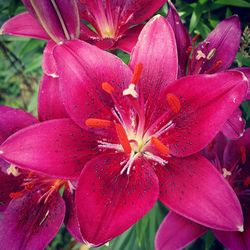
(133, 139)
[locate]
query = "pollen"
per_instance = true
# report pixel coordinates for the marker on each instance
(200, 55)
(107, 87)
(243, 154)
(121, 133)
(97, 123)
(12, 170)
(163, 149)
(226, 172)
(137, 73)
(174, 102)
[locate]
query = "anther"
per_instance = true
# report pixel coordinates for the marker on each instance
(214, 67)
(211, 54)
(163, 149)
(15, 195)
(12, 170)
(107, 87)
(137, 73)
(174, 102)
(121, 133)
(243, 154)
(97, 123)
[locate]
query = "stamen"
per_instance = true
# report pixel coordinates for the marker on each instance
(130, 91)
(128, 165)
(108, 145)
(243, 154)
(160, 146)
(200, 55)
(97, 123)
(155, 158)
(107, 87)
(214, 67)
(15, 195)
(174, 102)
(246, 181)
(137, 73)
(164, 129)
(195, 38)
(121, 133)
(44, 218)
(211, 54)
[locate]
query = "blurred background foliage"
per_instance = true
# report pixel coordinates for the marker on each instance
(20, 73)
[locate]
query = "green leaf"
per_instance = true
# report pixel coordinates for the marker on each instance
(238, 3)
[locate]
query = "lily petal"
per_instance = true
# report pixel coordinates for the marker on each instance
(25, 25)
(71, 221)
(182, 38)
(50, 104)
(225, 37)
(33, 223)
(246, 72)
(234, 126)
(12, 120)
(207, 107)
(129, 39)
(60, 19)
(185, 187)
(48, 61)
(114, 201)
(176, 232)
(58, 148)
(160, 62)
(82, 91)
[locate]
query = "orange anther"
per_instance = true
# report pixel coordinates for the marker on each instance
(137, 73)
(15, 195)
(163, 149)
(97, 123)
(174, 103)
(121, 133)
(107, 87)
(243, 154)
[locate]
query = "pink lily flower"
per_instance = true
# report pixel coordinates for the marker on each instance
(117, 24)
(231, 158)
(136, 131)
(31, 206)
(215, 54)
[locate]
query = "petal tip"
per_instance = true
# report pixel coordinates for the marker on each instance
(240, 228)
(53, 75)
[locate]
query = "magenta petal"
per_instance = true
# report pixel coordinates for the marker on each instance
(129, 39)
(156, 51)
(246, 72)
(176, 232)
(57, 148)
(204, 110)
(225, 37)
(82, 68)
(186, 188)
(48, 62)
(12, 120)
(26, 25)
(182, 37)
(231, 240)
(111, 202)
(234, 126)
(70, 220)
(60, 19)
(33, 224)
(50, 104)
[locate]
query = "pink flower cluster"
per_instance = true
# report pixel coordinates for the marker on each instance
(111, 139)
